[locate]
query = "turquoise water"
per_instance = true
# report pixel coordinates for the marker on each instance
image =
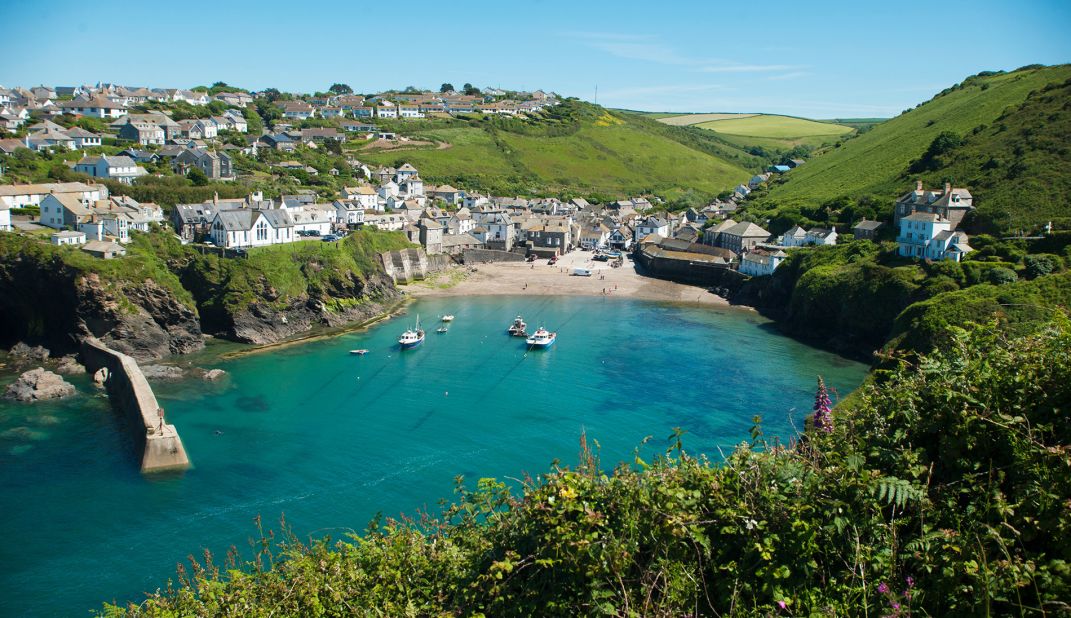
(330, 439)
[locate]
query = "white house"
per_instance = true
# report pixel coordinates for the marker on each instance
(927, 235)
(119, 168)
(21, 196)
(97, 107)
(798, 237)
(5, 217)
(761, 262)
(310, 218)
(386, 109)
(652, 225)
(392, 222)
(251, 227)
(68, 237)
(349, 212)
(82, 138)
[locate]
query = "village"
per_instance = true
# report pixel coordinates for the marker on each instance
(465, 225)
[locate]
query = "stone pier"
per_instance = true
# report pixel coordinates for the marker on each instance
(131, 394)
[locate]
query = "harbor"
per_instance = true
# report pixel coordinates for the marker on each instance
(330, 438)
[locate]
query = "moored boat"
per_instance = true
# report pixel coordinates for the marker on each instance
(517, 329)
(412, 337)
(441, 329)
(448, 318)
(542, 338)
(359, 352)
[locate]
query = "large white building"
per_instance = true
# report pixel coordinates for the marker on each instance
(251, 227)
(927, 235)
(118, 168)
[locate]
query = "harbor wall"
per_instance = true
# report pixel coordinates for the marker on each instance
(131, 394)
(408, 265)
(690, 271)
(483, 256)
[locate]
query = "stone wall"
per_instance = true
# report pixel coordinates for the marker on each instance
(131, 394)
(483, 256)
(408, 265)
(689, 271)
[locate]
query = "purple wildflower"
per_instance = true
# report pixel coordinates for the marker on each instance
(782, 605)
(895, 605)
(882, 588)
(910, 582)
(823, 413)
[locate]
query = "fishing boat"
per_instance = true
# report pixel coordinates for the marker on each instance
(542, 338)
(359, 352)
(448, 318)
(412, 337)
(517, 329)
(441, 330)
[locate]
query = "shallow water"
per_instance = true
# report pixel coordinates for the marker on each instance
(331, 439)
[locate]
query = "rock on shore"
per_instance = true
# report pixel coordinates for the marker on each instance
(162, 372)
(38, 384)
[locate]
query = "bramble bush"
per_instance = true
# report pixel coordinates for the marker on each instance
(940, 488)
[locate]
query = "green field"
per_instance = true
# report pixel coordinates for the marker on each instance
(780, 127)
(1005, 156)
(685, 120)
(602, 152)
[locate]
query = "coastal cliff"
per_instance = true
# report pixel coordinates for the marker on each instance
(50, 301)
(162, 296)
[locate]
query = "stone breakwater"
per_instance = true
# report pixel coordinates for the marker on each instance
(131, 394)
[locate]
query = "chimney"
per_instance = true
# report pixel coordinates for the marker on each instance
(948, 188)
(215, 198)
(918, 185)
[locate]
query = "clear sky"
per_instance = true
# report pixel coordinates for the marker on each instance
(820, 59)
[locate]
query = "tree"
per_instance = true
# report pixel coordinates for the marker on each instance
(411, 89)
(933, 158)
(341, 89)
(197, 177)
(447, 87)
(471, 90)
(271, 94)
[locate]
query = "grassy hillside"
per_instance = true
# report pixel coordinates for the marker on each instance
(987, 118)
(579, 148)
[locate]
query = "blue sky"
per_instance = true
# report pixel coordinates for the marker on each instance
(816, 59)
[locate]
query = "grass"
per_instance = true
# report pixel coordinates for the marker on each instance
(585, 149)
(876, 162)
(690, 119)
(781, 127)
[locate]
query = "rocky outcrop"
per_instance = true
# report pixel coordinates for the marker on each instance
(39, 384)
(21, 351)
(153, 323)
(162, 372)
(48, 302)
(69, 366)
(213, 375)
(353, 300)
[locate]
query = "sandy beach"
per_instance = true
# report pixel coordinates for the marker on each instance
(539, 279)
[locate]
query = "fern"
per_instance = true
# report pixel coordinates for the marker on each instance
(896, 491)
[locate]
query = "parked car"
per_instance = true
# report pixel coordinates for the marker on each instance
(329, 238)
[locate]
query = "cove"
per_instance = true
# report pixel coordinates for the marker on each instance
(331, 439)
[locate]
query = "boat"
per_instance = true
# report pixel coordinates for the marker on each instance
(448, 318)
(542, 338)
(517, 329)
(412, 337)
(359, 352)
(441, 329)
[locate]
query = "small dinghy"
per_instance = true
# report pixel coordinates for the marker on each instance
(441, 330)
(359, 352)
(448, 318)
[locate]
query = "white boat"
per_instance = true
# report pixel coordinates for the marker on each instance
(517, 329)
(359, 352)
(448, 318)
(412, 337)
(441, 329)
(542, 338)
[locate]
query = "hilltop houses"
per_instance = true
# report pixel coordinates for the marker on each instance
(951, 203)
(799, 237)
(118, 168)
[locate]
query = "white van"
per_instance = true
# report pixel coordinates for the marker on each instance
(582, 272)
